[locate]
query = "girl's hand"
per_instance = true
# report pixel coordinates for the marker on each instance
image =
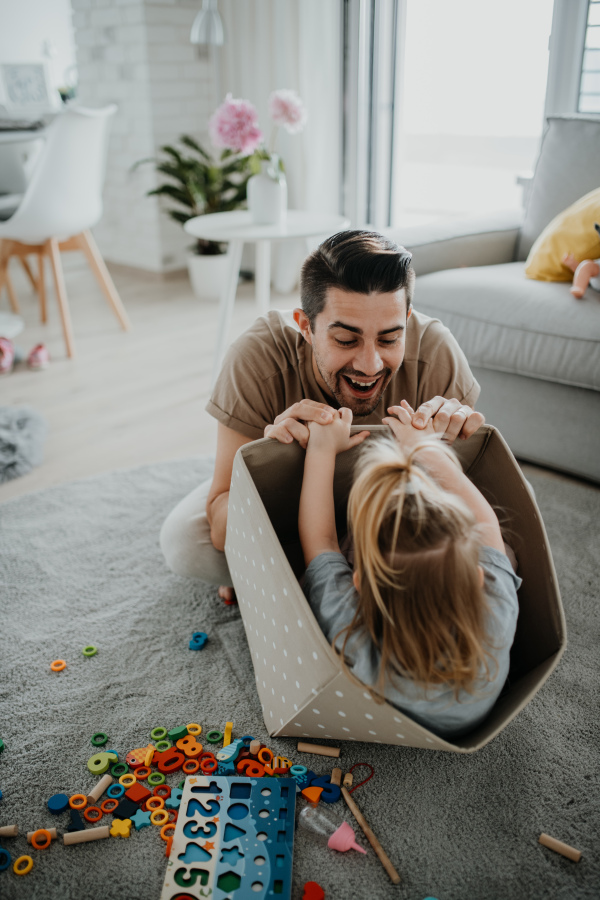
(335, 438)
(401, 425)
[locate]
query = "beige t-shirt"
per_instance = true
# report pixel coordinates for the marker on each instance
(270, 367)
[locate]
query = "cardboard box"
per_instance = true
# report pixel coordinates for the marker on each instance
(302, 689)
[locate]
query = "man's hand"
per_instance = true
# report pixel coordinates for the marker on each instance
(402, 426)
(292, 424)
(335, 438)
(450, 418)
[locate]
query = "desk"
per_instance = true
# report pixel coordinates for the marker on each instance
(18, 153)
(236, 228)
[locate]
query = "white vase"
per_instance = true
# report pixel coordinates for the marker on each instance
(267, 194)
(207, 274)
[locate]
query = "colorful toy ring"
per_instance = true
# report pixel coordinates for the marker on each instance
(162, 790)
(18, 863)
(93, 814)
(208, 766)
(194, 729)
(156, 778)
(142, 772)
(45, 835)
(90, 650)
(116, 790)
(57, 666)
(127, 780)
(5, 859)
(106, 808)
(163, 745)
(214, 736)
(269, 758)
(158, 733)
(173, 816)
(190, 766)
(168, 827)
(159, 817)
(99, 739)
(155, 803)
(119, 769)
(78, 801)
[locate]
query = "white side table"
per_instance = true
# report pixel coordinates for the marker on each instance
(236, 228)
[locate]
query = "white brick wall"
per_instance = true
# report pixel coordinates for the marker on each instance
(137, 54)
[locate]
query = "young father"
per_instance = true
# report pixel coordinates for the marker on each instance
(359, 344)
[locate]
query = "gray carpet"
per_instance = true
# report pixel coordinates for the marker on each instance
(80, 564)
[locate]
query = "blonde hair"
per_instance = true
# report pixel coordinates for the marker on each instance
(416, 556)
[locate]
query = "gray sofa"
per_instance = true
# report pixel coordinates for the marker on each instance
(534, 349)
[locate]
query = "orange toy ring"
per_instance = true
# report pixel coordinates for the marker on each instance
(190, 766)
(78, 801)
(173, 816)
(168, 827)
(269, 755)
(104, 806)
(18, 863)
(142, 772)
(155, 803)
(41, 833)
(97, 814)
(57, 666)
(159, 817)
(160, 788)
(209, 766)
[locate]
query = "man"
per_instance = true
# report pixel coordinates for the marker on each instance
(359, 344)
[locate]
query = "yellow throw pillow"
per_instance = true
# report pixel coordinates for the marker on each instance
(571, 231)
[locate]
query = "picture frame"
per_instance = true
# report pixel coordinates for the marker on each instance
(25, 87)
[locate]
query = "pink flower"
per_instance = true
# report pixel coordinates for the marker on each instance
(234, 126)
(287, 109)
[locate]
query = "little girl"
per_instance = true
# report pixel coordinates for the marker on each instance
(428, 616)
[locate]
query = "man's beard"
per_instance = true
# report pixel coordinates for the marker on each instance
(360, 407)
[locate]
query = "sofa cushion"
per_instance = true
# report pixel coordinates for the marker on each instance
(568, 167)
(571, 231)
(505, 321)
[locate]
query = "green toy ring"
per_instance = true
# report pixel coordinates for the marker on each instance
(158, 733)
(214, 736)
(156, 778)
(99, 739)
(90, 650)
(161, 746)
(119, 769)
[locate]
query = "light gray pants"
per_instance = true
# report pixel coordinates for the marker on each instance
(186, 544)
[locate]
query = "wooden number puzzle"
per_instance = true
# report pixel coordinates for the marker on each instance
(233, 840)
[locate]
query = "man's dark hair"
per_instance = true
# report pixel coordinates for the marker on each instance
(356, 261)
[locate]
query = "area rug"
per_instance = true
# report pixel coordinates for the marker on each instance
(80, 565)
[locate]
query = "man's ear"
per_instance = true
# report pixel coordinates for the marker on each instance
(301, 320)
(355, 580)
(409, 313)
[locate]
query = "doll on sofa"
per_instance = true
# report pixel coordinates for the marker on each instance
(586, 272)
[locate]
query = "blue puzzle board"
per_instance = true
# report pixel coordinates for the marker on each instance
(234, 839)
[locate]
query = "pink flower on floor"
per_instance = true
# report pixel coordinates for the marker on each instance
(234, 126)
(287, 109)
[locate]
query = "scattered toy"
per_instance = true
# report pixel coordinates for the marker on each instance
(319, 749)
(199, 639)
(559, 847)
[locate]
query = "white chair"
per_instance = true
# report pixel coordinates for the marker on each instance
(62, 202)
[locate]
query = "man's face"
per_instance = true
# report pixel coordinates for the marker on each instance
(358, 345)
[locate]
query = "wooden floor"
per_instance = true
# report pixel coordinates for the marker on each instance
(127, 399)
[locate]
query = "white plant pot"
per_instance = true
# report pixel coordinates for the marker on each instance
(267, 194)
(207, 274)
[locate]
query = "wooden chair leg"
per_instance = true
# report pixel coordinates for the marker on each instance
(98, 267)
(61, 294)
(5, 277)
(30, 275)
(42, 289)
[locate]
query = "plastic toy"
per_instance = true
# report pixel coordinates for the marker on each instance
(23, 865)
(327, 826)
(138, 793)
(1, 745)
(125, 809)
(199, 639)
(585, 272)
(76, 823)
(51, 831)
(559, 847)
(175, 734)
(234, 835)
(93, 814)
(383, 857)
(5, 859)
(141, 819)
(90, 650)
(99, 739)
(313, 891)
(57, 666)
(98, 763)
(121, 828)
(58, 803)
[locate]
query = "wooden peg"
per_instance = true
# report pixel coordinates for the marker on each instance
(336, 776)
(9, 831)
(90, 834)
(254, 748)
(559, 847)
(99, 789)
(51, 831)
(383, 857)
(348, 779)
(319, 749)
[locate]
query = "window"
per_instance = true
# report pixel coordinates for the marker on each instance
(589, 86)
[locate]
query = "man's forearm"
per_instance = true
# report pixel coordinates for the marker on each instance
(217, 517)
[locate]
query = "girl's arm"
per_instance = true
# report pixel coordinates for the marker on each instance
(449, 476)
(316, 516)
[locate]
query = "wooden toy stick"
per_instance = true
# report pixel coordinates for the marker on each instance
(51, 831)
(336, 776)
(99, 789)
(254, 747)
(348, 779)
(9, 831)
(559, 847)
(319, 749)
(383, 857)
(90, 834)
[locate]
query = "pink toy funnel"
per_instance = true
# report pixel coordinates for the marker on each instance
(344, 839)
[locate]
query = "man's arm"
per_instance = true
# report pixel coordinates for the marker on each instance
(228, 443)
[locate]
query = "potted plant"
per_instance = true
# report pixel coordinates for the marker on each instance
(200, 184)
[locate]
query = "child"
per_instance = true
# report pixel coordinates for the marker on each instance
(428, 616)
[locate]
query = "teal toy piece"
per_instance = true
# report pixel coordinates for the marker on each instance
(58, 803)
(233, 837)
(199, 639)
(175, 734)
(141, 819)
(231, 752)
(5, 859)
(331, 792)
(174, 801)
